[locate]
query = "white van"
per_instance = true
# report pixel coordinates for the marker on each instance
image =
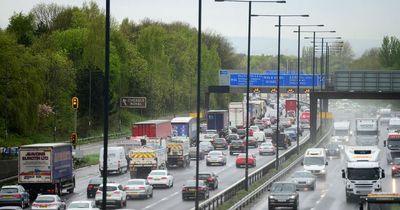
(315, 161)
(116, 161)
(394, 125)
(260, 136)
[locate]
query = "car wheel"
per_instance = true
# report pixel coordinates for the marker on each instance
(121, 204)
(172, 184)
(151, 195)
(216, 187)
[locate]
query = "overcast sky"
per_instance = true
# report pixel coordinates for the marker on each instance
(361, 22)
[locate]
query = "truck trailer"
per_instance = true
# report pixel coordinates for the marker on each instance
(184, 126)
(46, 168)
(152, 129)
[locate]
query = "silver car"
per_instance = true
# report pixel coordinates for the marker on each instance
(138, 188)
(304, 180)
(216, 157)
(266, 148)
(52, 202)
(206, 146)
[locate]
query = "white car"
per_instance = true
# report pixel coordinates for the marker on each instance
(255, 128)
(160, 178)
(115, 195)
(138, 188)
(48, 202)
(82, 205)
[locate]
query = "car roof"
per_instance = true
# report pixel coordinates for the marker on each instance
(158, 171)
(111, 184)
(136, 180)
(11, 186)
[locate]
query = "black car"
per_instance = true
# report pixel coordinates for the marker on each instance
(210, 178)
(236, 146)
(283, 194)
(232, 137)
(93, 186)
(220, 143)
(332, 149)
(189, 190)
(268, 132)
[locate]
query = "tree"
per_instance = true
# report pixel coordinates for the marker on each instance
(22, 26)
(368, 61)
(389, 53)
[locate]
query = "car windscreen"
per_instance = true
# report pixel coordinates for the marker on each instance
(332, 146)
(96, 181)
(109, 188)
(78, 205)
(9, 190)
(283, 187)
(136, 182)
(301, 174)
(396, 161)
(341, 132)
(158, 173)
(363, 173)
(214, 153)
(204, 176)
(45, 199)
(314, 161)
(219, 140)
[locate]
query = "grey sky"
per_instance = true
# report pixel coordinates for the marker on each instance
(362, 22)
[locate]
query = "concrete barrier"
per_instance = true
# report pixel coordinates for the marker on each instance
(8, 168)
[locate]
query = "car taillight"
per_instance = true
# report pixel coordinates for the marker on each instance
(90, 186)
(208, 156)
(117, 192)
(18, 195)
(35, 205)
(200, 188)
(142, 188)
(393, 168)
(149, 177)
(126, 187)
(220, 156)
(164, 177)
(98, 192)
(52, 191)
(184, 189)
(210, 179)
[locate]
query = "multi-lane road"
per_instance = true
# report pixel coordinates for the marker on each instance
(171, 198)
(330, 191)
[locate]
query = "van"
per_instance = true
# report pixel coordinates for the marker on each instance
(260, 136)
(116, 161)
(315, 161)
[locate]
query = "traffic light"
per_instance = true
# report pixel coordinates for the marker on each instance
(307, 90)
(75, 102)
(74, 139)
(290, 90)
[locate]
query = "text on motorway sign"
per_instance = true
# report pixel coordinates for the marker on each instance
(133, 102)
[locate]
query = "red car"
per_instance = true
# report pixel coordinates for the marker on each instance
(396, 167)
(241, 160)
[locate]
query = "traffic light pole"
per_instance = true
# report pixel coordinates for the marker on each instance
(75, 126)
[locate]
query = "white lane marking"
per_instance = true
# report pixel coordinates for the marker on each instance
(164, 199)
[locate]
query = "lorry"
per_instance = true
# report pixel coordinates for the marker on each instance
(237, 114)
(381, 201)
(384, 116)
(363, 173)
(392, 147)
(394, 125)
(184, 126)
(367, 132)
(152, 129)
(290, 106)
(218, 120)
(46, 168)
(342, 131)
(145, 158)
(178, 149)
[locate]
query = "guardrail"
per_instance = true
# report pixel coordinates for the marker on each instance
(264, 187)
(225, 195)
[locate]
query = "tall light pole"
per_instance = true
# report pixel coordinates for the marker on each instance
(298, 75)
(246, 184)
(278, 78)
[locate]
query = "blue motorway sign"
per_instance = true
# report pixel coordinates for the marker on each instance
(269, 80)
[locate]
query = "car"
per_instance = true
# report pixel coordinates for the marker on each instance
(267, 121)
(203, 127)
(210, 179)
(14, 195)
(266, 148)
(241, 160)
(285, 122)
(241, 132)
(206, 146)
(292, 134)
(138, 188)
(332, 149)
(396, 167)
(10, 208)
(160, 178)
(236, 146)
(252, 141)
(193, 153)
(268, 132)
(48, 202)
(216, 157)
(115, 195)
(189, 190)
(255, 128)
(304, 180)
(260, 124)
(93, 186)
(283, 194)
(82, 205)
(232, 137)
(220, 143)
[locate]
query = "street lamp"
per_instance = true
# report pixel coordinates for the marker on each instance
(278, 77)
(298, 74)
(246, 185)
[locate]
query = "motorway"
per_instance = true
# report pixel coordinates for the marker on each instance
(171, 198)
(330, 191)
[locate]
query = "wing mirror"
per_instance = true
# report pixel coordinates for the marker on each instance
(383, 173)
(326, 163)
(384, 143)
(302, 163)
(343, 174)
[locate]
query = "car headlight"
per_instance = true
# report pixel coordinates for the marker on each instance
(271, 197)
(323, 171)
(337, 149)
(292, 197)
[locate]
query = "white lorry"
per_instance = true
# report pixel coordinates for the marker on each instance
(367, 132)
(394, 125)
(315, 161)
(178, 152)
(363, 173)
(342, 132)
(384, 116)
(237, 114)
(392, 147)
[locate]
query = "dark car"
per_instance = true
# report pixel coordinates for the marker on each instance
(14, 195)
(210, 179)
(189, 190)
(193, 152)
(268, 132)
(283, 194)
(396, 167)
(236, 146)
(283, 142)
(232, 137)
(332, 149)
(93, 186)
(220, 143)
(252, 141)
(241, 133)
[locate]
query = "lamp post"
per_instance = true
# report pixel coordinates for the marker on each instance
(278, 77)
(298, 75)
(246, 184)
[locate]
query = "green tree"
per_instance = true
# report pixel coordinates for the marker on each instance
(23, 27)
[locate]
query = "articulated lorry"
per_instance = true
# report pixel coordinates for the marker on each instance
(46, 168)
(184, 126)
(178, 152)
(237, 114)
(218, 120)
(152, 129)
(367, 132)
(363, 173)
